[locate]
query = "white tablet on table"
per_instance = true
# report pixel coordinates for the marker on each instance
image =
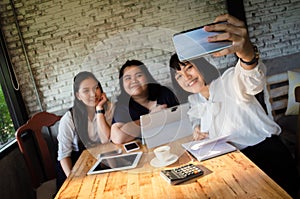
(116, 163)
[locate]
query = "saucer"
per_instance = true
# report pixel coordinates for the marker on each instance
(157, 163)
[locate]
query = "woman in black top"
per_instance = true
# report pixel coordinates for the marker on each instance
(140, 95)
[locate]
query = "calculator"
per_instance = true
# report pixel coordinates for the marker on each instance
(181, 174)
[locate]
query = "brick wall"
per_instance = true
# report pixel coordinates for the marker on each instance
(274, 26)
(64, 37)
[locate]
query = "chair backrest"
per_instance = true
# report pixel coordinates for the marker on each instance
(297, 155)
(30, 133)
(297, 94)
(278, 87)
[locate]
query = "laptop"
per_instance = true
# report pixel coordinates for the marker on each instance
(165, 126)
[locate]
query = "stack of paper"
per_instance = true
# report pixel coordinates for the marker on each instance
(209, 148)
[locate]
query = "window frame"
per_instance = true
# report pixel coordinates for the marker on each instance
(13, 97)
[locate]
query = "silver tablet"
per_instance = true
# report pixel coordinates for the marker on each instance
(116, 163)
(192, 44)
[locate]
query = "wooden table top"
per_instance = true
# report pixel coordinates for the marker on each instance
(231, 175)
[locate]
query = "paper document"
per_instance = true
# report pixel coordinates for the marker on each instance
(209, 148)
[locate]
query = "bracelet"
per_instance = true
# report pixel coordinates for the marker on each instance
(255, 58)
(100, 111)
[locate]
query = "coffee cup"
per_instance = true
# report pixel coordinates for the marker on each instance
(162, 153)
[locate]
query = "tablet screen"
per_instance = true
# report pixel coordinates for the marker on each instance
(115, 163)
(192, 44)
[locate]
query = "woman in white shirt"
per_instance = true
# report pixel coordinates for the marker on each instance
(86, 124)
(227, 106)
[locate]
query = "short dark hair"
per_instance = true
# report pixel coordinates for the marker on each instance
(208, 71)
(174, 64)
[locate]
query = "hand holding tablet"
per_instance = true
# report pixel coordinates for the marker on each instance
(193, 43)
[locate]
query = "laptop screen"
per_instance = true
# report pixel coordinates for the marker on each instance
(165, 126)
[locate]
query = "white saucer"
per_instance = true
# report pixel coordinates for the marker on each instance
(156, 163)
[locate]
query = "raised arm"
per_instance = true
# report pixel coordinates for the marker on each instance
(103, 127)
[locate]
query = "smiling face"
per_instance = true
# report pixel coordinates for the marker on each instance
(134, 81)
(190, 79)
(89, 92)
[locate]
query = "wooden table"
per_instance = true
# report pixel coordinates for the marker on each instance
(231, 175)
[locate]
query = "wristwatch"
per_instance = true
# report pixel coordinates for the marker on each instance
(100, 111)
(255, 58)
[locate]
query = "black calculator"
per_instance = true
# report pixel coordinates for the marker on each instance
(181, 174)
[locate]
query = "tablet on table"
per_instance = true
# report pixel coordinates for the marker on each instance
(116, 163)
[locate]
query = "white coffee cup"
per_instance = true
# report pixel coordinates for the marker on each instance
(162, 153)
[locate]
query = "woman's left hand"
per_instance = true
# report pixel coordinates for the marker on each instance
(233, 30)
(103, 100)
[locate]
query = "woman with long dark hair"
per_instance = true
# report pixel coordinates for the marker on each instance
(85, 125)
(140, 95)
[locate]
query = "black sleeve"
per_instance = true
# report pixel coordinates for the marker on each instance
(121, 114)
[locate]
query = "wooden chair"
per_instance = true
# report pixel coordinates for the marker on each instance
(278, 87)
(35, 150)
(297, 96)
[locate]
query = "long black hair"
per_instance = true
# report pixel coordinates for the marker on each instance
(79, 109)
(152, 85)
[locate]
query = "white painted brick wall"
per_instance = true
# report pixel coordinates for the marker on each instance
(65, 37)
(274, 26)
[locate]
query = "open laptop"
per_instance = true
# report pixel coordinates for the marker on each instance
(165, 126)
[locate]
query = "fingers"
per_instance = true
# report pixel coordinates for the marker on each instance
(230, 19)
(163, 106)
(233, 30)
(227, 31)
(103, 96)
(236, 46)
(218, 27)
(158, 108)
(102, 101)
(198, 135)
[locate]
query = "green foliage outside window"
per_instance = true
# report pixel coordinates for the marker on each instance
(7, 130)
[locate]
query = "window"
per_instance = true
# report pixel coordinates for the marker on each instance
(12, 109)
(7, 130)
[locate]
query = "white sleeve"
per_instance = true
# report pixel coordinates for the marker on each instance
(249, 82)
(193, 101)
(66, 136)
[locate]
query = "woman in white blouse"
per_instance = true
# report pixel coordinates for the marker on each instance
(227, 106)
